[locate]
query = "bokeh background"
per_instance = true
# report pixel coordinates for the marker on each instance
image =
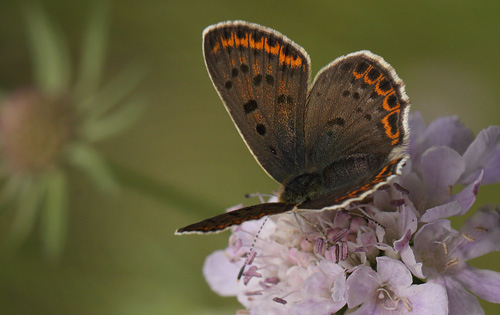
(184, 161)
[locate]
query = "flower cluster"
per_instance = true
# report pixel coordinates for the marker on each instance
(395, 253)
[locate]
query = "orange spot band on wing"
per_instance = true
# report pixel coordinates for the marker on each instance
(388, 128)
(240, 41)
(386, 105)
(216, 48)
(227, 42)
(248, 41)
(358, 75)
(381, 92)
(274, 50)
(256, 45)
(289, 60)
(370, 82)
(381, 176)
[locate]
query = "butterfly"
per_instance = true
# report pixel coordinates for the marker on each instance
(328, 143)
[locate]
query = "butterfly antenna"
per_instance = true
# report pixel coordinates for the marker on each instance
(250, 257)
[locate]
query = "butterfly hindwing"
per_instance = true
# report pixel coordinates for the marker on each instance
(357, 105)
(355, 189)
(262, 78)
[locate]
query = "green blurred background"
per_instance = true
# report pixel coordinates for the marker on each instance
(184, 161)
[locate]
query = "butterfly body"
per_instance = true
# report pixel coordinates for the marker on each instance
(329, 143)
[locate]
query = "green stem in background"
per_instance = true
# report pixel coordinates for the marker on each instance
(162, 192)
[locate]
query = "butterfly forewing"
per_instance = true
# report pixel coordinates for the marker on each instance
(223, 221)
(356, 105)
(262, 78)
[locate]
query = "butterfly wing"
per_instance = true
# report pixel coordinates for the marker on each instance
(357, 105)
(223, 221)
(262, 78)
(356, 128)
(363, 183)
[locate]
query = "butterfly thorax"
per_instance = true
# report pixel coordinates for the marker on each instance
(302, 188)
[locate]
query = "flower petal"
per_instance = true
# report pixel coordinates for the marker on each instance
(431, 232)
(339, 288)
(403, 241)
(269, 307)
(460, 301)
(492, 168)
(368, 308)
(483, 227)
(441, 212)
(417, 127)
(481, 282)
(316, 306)
(480, 153)
(441, 168)
(449, 132)
(221, 274)
(361, 286)
(418, 196)
(428, 298)
(316, 285)
(430, 238)
(467, 196)
(407, 220)
(393, 272)
(408, 257)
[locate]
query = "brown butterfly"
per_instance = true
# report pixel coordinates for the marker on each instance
(329, 143)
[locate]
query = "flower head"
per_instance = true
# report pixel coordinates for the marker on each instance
(394, 253)
(34, 129)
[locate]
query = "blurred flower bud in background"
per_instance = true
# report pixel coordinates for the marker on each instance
(51, 125)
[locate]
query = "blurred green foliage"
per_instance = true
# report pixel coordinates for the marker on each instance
(184, 161)
(50, 125)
